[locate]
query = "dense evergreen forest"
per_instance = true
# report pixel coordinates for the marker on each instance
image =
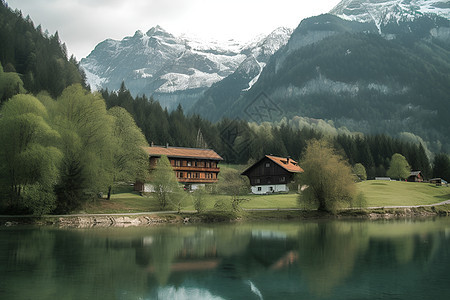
(39, 59)
(240, 142)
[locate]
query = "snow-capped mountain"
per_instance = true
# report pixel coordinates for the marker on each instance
(172, 68)
(383, 11)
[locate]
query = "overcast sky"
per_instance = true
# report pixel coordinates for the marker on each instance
(82, 24)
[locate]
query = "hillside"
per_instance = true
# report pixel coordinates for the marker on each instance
(346, 72)
(38, 57)
(175, 69)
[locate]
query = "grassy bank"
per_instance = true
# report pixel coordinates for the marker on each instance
(377, 193)
(398, 193)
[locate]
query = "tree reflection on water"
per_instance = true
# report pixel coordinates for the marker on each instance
(305, 260)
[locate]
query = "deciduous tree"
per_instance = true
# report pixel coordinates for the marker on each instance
(87, 145)
(130, 161)
(232, 183)
(328, 177)
(165, 184)
(399, 167)
(29, 162)
(360, 171)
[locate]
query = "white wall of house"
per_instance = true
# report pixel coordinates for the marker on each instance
(269, 189)
(196, 186)
(148, 188)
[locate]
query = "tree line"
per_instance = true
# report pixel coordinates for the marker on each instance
(36, 57)
(58, 153)
(240, 142)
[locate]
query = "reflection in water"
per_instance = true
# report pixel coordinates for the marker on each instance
(308, 260)
(328, 251)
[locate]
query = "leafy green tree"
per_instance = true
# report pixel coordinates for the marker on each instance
(10, 85)
(29, 162)
(130, 161)
(87, 146)
(165, 184)
(360, 171)
(399, 167)
(441, 166)
(232, 183)
(328, 177)
(199, 199)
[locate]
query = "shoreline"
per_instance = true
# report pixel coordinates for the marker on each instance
(190, 217)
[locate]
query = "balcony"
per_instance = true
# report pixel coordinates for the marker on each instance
(197, 180)
(196, 169)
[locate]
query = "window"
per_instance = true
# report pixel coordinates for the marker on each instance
(271, 189)
(208, 164)
(259, 189)
(181, 175)
(189, 163)
(257, 180)
(178, 163)
(267, 164)
(282, 179)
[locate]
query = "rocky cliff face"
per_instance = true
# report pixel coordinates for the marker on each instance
(381, 12)
(173, 69)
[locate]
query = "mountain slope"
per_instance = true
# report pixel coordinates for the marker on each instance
(39, 58)
(170, 68)
(383, 11)
(348, 73)
(216, 100)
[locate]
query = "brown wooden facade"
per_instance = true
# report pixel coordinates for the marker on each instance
(191, 165)
(415, 176)
(272, 174)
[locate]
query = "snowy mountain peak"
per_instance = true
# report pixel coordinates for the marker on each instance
(379, 11)
(161, 64)
(158, 31)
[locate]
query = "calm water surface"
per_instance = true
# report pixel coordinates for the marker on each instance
(297, 260)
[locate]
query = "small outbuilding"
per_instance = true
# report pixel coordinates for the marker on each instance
(438, 181)
(272, 174)
(415, 176)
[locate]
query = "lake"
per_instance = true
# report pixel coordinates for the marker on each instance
(402, 259)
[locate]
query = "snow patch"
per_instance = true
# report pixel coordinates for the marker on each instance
(141, 73)
(255, 79)
(176, 81)
(181, 293)
(379, 11)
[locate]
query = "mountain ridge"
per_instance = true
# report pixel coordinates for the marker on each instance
(160, 64)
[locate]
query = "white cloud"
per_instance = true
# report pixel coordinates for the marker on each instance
(82, 24)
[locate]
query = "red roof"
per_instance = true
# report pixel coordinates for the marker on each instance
(180, 152)
(286, 163)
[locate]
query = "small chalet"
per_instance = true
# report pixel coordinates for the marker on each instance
(272, 174)
(438, 181)
(193, 167)
(415, 176)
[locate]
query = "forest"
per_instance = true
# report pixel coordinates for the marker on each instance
(241, 142)
(63, 145)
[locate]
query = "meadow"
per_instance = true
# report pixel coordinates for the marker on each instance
(376, 193)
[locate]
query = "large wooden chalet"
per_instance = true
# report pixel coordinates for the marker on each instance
(272, 174)
(193, 167)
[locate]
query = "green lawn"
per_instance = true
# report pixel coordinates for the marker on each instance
(377, 193)
(399, 193)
